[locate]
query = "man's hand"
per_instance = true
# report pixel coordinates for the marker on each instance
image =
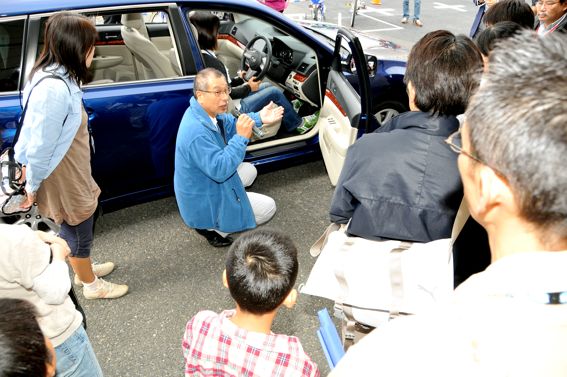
(244, 126)
(271, 115)
(58, 245)
(254, 84)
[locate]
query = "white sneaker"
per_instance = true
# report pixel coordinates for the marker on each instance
(404, 20)
(99, 269)
(105, 289)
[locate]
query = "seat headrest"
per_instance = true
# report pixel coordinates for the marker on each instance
(136, 22)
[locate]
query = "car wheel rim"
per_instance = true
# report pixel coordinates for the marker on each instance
(385, 115)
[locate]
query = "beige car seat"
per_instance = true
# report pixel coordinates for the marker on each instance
(136, 39)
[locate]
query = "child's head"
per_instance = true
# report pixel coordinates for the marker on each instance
(261, 268)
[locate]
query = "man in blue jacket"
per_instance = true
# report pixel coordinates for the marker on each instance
(210, 175)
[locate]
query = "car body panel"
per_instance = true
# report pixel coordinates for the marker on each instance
(135, 123)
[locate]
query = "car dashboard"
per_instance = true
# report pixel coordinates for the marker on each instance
(293, 64)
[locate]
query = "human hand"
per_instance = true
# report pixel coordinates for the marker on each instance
(58, 245)
(30, 200)
(244, 126)
(254, 84)
(270, 113)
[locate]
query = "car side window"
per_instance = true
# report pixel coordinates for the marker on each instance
(132, 46)
(11, 39)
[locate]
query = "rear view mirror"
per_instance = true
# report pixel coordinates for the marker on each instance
(372, 64)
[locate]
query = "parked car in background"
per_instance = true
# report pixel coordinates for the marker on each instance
(146, 58)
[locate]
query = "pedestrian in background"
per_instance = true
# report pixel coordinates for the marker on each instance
(416, 12)
(278, 5)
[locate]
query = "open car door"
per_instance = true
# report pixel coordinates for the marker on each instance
(344, 111)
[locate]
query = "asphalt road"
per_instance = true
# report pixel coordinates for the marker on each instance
(173, 273)
(384, 20)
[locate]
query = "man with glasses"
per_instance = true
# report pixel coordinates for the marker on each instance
(511, 319)
(552, 15)
(210, 174)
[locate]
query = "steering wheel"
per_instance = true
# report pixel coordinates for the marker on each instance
(256, 62)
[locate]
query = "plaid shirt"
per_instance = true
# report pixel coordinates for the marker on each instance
(214, 346)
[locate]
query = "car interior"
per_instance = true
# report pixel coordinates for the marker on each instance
(137, 46)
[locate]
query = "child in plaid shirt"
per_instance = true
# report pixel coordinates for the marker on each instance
(261, 269)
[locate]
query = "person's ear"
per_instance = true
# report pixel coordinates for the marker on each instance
(291, 299)
(494, 192)
(224, 279)
(411, 96)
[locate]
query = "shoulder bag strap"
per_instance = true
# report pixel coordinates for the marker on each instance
(21, 120)
(460, 220)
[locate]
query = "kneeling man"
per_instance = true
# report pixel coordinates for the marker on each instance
(210, 174)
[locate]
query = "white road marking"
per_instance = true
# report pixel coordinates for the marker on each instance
(457, 8)
(387, 12)
(391, 26)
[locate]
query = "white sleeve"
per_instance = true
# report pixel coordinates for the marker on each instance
(53, 284)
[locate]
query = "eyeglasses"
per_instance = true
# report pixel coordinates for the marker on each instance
(456, 143)
(547, 3)
(218, 93)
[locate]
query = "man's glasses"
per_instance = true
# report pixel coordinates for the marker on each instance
(455, 141)
(218, 93)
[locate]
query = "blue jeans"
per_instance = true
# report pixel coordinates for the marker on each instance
(76, 358)
(78, 237)
(255, 101)
(416, 9)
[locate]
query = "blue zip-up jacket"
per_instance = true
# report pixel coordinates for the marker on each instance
(209, 192)
(50, 125)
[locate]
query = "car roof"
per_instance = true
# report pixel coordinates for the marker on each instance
(22, 7)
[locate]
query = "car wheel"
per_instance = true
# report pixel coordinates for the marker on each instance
(32, 219)
(387, 110)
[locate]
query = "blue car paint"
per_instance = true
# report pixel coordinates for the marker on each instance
(144, 116)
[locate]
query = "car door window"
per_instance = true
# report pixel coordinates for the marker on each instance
(135, 46)
(11, 36)
(132, 46)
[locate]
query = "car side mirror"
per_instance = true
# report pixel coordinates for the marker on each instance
(372, 64)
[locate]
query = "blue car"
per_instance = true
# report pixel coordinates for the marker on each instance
(146, 58)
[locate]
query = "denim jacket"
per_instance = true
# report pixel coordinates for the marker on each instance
(50, 125)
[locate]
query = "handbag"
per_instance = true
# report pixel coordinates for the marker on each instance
(12, 180)
(372, 282)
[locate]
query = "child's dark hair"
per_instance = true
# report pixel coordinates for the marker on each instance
(261, 268)
(23, 351)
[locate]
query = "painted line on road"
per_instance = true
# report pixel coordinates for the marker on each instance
(302, 16)
(392, 26)
(457, 8)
